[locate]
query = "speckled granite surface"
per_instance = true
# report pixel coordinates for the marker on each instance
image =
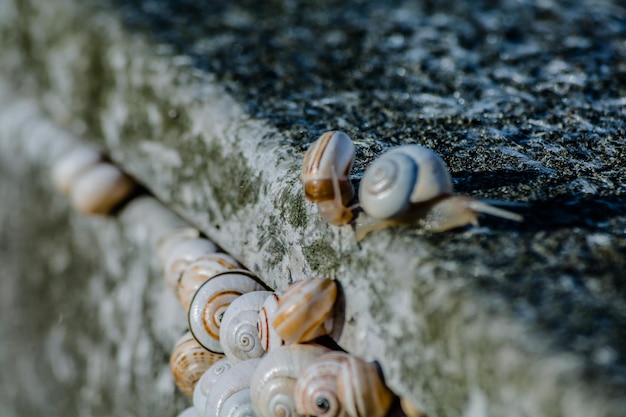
(525, 101)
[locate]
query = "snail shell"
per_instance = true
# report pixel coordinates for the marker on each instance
(188, 412)
(274, 380)
(68, 168)
(200, 271)
(305, 310)
(100, 188)
(210, 302)
(189, 361)
(316, 391)
(181, 254)
(361, 390)
(269, 338)
(325, 171)
(205, 384)
(239, 334)
(230, 396)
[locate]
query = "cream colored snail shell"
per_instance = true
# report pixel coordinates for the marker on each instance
(100, 188)
(269, 338)
(68, 168)
(305, 310)
(205, 384)
(239, 334)
(273, 382)
(316, 391)
(230, 396)
(210, 302)
(200, 271)
(189, 361)
(181, 254)
(325, 171)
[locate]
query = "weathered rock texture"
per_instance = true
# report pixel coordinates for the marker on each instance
(210, 105)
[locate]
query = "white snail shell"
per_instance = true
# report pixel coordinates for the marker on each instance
(403, 176)
(269, 338)
(100, 188)
(316, 391)
(181, 254)
(68, 168)
(210, 302)
(199, 271)
(189, 361)
(171, 238)
(325, 171)
(205, 384)
(305, 310)
(273, 381)
(230, 396)
(239, 334)
(188, 412)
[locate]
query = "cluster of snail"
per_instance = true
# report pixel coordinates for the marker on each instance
(409, 185)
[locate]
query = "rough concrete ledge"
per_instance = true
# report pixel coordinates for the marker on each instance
(213, 114)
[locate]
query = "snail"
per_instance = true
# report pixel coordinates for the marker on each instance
(239, 334)
(205, 384)
(189, 361)
(274, 379)
(200, 271)
(72, 165)
(341, 385)
(181, 253)
(411, 185)
(211, 301)
(410, 409)
(269, 338)
(100, 188)
(325, 171)
(188, 412)
(304, 311)
(230, 396)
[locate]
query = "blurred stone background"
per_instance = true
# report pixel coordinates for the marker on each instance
(211, 105)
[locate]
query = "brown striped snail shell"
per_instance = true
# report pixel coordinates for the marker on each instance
(206, 382)
(230, 396)
(100, 188)
(411, 185)
(72, 165)
(325, 171)
(210, 302)
(183, 253)
(269, 338)
(361, 389)
(189, 361)
(239, 334)
(273, 382)
(304, 311)
(200, 271)
(316, 391)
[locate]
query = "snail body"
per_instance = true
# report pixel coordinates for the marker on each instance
(205, 384)
(200, 271)
(304, 311)
(210, 302)
(189, 361)
(325, 171)
(239, 334)
(100, 188)
(411, 185)
(230, 396)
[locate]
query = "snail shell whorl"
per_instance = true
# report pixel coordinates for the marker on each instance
(182, 254)
(406, 175)
(269, 338)
(230, 396)
(189, 361)
(210, 302)
(361, 389)
(304, 310)
(206, 382)
(331, 154)
(100, 188)
(239, 334)
(316, 391)
(273, 381)
(68, 168)
(200, 271)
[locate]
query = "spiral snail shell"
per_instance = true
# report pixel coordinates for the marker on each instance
(239, 334)
(189, 361)
(273, 382)
(205, 384)
(200, 271)
(269, 338)
(304, 311)
(72, 165)
(100, 188)
(412, 185)
(181, 254)
(325, 171)
(210, 302)
(230, 396)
